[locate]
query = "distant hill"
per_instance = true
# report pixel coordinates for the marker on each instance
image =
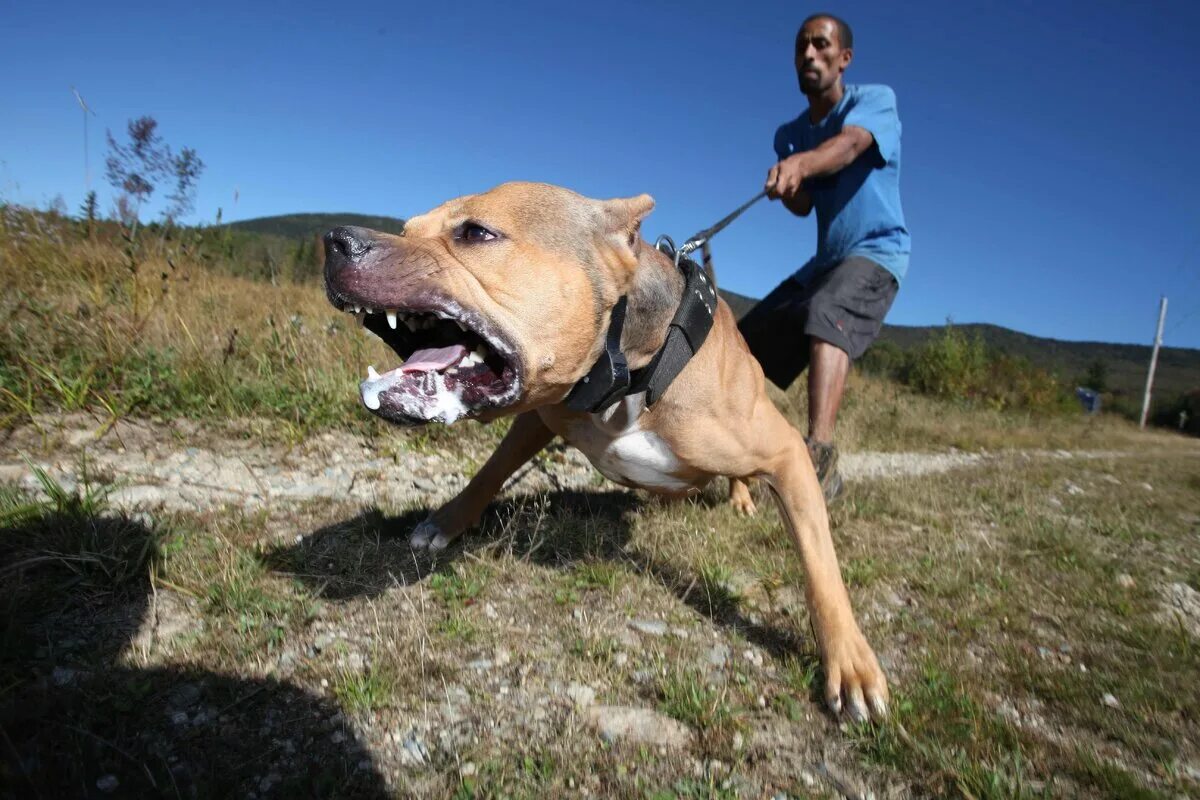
(1178, 367)
(300, 226)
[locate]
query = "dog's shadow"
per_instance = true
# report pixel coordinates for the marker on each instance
(367, 554)
(77, 719)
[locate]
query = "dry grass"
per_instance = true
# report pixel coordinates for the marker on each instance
(308, 651)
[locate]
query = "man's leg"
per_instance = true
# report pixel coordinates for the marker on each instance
(845, 314)
(828, 367)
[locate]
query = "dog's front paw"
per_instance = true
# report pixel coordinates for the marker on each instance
(854, 682)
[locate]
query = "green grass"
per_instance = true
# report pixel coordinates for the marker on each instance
(364, 691)
(684, 695)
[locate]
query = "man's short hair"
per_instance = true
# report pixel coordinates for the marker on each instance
(845, 35)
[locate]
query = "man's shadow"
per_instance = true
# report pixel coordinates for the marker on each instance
(365, 555)
(77, 721)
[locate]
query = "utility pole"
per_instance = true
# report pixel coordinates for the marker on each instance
(1162, 317)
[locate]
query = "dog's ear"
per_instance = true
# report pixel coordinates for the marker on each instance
(621, 220)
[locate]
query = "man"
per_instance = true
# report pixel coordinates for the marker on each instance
(841, 157)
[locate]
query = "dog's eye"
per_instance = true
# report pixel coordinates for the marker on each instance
(474, 233)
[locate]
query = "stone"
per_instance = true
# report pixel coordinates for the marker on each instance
(108, 784)
(413, 752)
(63, 676)
(650, 627)
(718, 655)
(1126, 581)
(640, 726)
(171, 618)
(582, 696)
(1110, 701)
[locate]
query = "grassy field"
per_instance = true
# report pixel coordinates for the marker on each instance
(1037, 612)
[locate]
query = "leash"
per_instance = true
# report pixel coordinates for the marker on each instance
(700, 239)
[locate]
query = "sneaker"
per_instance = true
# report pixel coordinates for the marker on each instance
(824, 458)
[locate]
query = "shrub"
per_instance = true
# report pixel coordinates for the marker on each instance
(955, 366)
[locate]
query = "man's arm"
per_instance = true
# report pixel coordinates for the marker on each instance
(786, 178)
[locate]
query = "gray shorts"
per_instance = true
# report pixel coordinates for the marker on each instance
(844, 306)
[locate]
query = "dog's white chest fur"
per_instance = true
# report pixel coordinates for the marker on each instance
(617, 446)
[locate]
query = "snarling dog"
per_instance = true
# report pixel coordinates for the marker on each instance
(500, 304)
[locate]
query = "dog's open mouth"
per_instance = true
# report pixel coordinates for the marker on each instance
(455, 363)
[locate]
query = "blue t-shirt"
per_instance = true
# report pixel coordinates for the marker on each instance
(858, 208)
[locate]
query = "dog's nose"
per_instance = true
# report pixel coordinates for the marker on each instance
(346, 244)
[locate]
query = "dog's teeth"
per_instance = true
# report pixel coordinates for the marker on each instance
(452, 371)
(480, 353)
(461, 327)
(427, 323)
(391, 315)
(468, 361)
(360, 316)
(371, 373)
(410, 323)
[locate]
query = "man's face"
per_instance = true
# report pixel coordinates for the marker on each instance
(820, 57)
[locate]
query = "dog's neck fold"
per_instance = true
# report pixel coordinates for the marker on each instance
(653, 298)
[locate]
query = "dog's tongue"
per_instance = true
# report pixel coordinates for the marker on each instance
(434, 359)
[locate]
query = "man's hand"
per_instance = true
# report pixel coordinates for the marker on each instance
(787, 177)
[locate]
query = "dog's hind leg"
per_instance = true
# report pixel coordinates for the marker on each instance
(740, 497)
(527, 436)
(853, 679)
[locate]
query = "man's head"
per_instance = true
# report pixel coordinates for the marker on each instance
(824, 48)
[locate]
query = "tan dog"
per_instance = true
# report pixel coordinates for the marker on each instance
(500, 302)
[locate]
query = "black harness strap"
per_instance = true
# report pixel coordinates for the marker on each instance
(686, 333)
(608, 379)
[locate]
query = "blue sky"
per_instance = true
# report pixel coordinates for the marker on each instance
(1049, 166)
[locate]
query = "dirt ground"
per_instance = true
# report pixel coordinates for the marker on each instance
(240, 616)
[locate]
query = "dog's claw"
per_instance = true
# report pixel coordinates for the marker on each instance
(854, 683)
(857, 707)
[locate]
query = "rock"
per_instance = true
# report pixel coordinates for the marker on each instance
(171, 618)
(1181, 606)
(582, 696)
(184, 696)
(63, 676)
(718, 655)
(753, 656)
(1072, 489)
(1126, 581)
(413, 752)
(1147, 487)
(639, 725)
(108, 784)
(650, 627)
(1110, 701)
